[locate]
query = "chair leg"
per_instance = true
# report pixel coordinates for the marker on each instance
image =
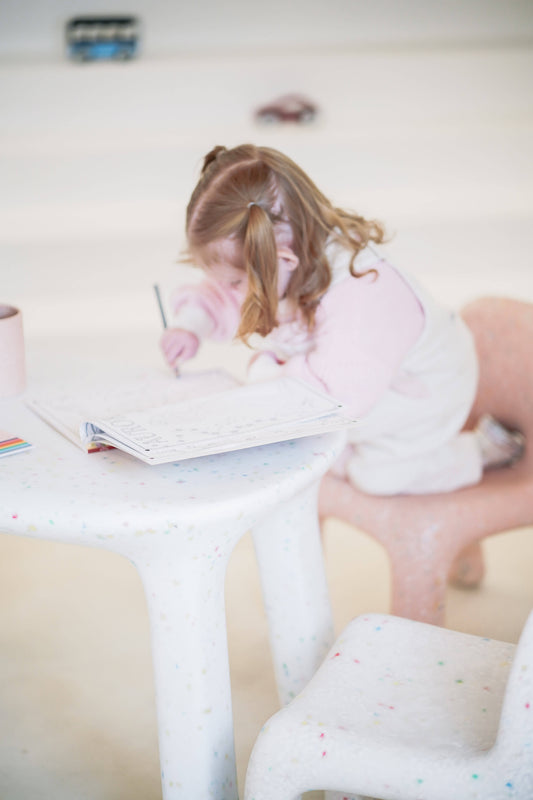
(468, 568)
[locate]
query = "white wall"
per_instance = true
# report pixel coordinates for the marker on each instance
(34, 28)
(98, 162)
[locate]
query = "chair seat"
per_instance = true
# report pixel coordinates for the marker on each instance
(412, 684)
(403, 710)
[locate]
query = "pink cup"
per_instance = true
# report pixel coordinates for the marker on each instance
(12, 360)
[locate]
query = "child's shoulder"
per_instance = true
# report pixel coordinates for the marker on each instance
(377, 285)
(368, 260)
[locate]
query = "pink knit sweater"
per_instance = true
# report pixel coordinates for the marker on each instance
(364, 329)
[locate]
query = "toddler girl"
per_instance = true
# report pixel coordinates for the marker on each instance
(304, 284)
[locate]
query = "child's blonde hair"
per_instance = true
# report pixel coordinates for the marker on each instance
(243, 194)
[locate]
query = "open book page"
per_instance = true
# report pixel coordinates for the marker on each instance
(66, 408)
(247, 416)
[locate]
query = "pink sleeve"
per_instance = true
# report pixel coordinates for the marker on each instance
(207, 310)
(365, 326)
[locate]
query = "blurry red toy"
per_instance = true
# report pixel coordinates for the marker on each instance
(288, 108)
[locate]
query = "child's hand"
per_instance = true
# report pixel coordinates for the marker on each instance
(178, 345)
(263, 366)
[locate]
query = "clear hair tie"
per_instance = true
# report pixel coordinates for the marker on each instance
(253, 203)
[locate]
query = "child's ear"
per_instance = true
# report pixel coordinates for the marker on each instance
(290, 258)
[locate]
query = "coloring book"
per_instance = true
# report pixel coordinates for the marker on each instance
(159, 418)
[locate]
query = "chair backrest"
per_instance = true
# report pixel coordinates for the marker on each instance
(503, 333)
(515, 732)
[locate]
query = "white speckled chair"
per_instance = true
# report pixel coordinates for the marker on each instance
(431, 538)
(403, 710)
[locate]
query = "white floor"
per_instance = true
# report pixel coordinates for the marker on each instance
(97, 166)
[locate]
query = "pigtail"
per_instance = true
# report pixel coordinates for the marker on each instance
(258, 312)
(212, 156)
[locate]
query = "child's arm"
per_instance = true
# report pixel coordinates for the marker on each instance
(207, 310)
(264, 365)
(201, 311)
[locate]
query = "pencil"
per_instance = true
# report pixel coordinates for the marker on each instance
(163, 317)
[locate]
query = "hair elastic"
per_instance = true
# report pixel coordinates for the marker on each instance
(253, 203)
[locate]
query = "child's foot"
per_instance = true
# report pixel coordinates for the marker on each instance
(500, 447)
(468, 568)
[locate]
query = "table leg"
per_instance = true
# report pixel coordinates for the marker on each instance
(290, 559)
(189, 648)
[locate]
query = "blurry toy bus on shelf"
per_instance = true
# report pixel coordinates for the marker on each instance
(102, 38)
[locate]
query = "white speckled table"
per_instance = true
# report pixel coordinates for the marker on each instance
(178, 525)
